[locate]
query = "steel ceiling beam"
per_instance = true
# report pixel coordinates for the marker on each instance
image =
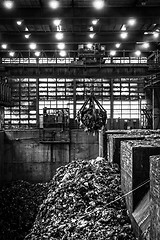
(109, 12)
(68, 37)
(80, 32)
(83, 20)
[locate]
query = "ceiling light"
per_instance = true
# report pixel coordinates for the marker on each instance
(37, 53)
(11, 54)
(62, 53)
(4, 46)
(98, 4)
(19, 22)
(26, 29)
(89, 45)
(8, 4)
(95, 21)
(124, 35)
(91, 29)
(117, 45)
(156, 34)
(123, 28)
(53, 4)
(143, 2)
(132, 22)
(59, 36)
(27, 36)
(145, 45)
(61, 45)
(91, 35)
(137, 53)
(32, 46)
(112, 52)
(57, 22)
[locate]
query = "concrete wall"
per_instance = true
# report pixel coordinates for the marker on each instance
(155, 197)
(25, 157)
(83, 145)
(140, 163)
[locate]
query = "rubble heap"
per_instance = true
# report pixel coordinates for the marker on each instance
(84, 202)
(19, 203)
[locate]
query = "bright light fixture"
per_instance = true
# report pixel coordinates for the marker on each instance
(59, 36)
(98, 4)
(27, 36)
(91, 35)
(89, 45)
(137, 53)
(53, 4)
(37, 53)
(123, 28)
(4, 46)
(117, 45)
(156, 34)
(112, 52)
(26, 29)
(57, 22)
(62, 53)
(19, 22)
(32, 46)
(132, 22)
(124, 35)
(11, 54)
(8, 4)
(91, 29)
(61, 46)
(95, 21)
(145, 45)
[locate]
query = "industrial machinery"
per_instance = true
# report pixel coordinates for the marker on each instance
(92, 54)
(55, 125)
(56, 118)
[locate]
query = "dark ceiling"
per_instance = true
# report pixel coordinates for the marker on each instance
(76, 19)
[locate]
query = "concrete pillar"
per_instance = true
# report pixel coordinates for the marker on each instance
(37, 102)
(155, 197)
(74, 98)
(111, 103)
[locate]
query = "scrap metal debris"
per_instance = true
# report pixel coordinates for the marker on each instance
(19, 202)
(84, 202)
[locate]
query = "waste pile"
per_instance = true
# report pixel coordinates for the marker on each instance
(84, 202)
(19, 203)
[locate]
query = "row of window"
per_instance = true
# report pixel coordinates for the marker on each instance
(107, 60)
(127, 98)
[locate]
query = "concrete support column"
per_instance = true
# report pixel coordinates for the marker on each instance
(111, 103)
(101, 143)
(37, 102)
(153, 113)
(155, 197)
(74, 98)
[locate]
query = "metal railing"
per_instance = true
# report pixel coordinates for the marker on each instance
(70, 60)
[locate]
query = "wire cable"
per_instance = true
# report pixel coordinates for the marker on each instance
(117, 199)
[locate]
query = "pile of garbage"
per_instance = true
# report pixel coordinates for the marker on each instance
(84, 201)
(19, 203)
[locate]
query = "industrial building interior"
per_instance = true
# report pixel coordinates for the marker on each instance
(80, 119)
